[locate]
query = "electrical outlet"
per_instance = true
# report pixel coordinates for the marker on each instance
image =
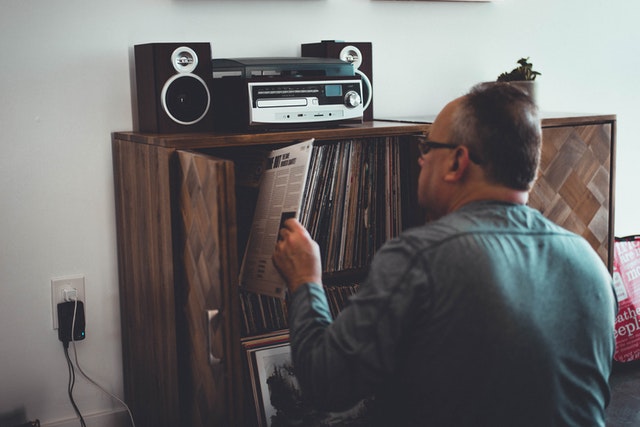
(63, 289)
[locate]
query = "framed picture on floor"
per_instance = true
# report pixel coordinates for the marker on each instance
(277, 396)
(264, 346)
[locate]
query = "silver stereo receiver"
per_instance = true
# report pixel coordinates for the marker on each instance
(263, 93)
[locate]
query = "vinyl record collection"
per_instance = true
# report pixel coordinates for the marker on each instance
(353, 202)
(262, 313)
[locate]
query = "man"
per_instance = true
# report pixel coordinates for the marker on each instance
(488, 315)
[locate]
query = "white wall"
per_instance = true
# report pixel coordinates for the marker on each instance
(64, 85)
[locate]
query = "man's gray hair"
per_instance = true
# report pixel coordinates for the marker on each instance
(500, 125)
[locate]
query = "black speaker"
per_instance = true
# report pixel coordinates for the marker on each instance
(173, 87)
(360, 54)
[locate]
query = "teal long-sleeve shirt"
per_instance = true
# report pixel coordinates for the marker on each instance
(490, 316)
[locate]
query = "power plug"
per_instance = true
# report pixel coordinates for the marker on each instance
(70, 294)
(69, 288)
(65, 321)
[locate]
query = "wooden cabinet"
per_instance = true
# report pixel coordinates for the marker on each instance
(176, 226)
(178, 222)
(178, 270)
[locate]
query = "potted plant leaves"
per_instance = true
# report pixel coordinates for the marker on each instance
(523, 76)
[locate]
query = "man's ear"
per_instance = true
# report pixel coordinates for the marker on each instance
(458, 163)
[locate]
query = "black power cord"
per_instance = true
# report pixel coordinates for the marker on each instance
(72, 381)
(71, 325)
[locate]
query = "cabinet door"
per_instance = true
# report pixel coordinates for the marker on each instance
(207, 294)
(574, 187)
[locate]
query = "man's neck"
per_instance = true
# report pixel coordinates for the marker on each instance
(494, 193)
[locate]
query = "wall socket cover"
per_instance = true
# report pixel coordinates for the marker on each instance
(58, 287)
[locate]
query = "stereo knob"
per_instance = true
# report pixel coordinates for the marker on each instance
(352, 99)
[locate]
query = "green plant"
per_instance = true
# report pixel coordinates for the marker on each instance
(523, 72)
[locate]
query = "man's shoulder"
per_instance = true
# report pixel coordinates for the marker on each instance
(495, 216)
(486, 217)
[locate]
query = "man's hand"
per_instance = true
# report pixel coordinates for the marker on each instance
(297, 256)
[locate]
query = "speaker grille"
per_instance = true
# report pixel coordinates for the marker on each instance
(185, 98)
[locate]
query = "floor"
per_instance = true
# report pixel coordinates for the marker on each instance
(624, 408)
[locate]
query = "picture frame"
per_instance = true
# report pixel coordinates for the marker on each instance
(277, 396)
(258, 348)
(272, 362)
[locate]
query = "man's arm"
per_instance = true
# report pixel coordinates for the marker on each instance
(339, 362)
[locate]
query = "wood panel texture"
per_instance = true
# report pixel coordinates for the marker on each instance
(206, 233)
(147, 303)
(574, 185)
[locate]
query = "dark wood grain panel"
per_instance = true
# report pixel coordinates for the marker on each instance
(143, 212)
(206, 238)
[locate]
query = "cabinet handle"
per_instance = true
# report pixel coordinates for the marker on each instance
(214, 318)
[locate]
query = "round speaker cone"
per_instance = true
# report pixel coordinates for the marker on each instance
(185, 98)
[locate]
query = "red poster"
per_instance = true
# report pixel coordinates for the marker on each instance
(626, 280)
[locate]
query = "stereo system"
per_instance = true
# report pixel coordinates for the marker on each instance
(180, 88)
(271, 93)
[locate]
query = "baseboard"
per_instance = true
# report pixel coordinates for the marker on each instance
(118, 418)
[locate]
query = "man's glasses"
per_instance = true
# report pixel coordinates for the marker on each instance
(425, 145)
